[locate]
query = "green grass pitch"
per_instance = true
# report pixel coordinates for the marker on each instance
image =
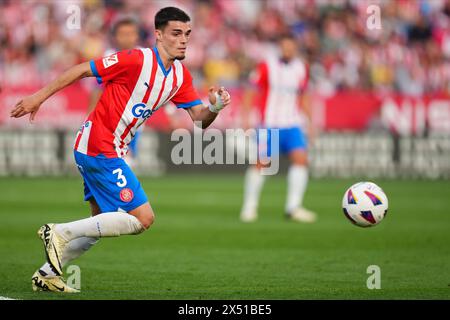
(198, 249)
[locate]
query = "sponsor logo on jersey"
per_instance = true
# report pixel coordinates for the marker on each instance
(139, 111)
(110, 60)
(126, 195)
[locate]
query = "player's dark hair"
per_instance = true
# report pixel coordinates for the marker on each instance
(287, 36)
(124, 21)
(167, 14)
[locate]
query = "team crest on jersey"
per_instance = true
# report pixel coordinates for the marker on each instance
(110, 60)
(126, 195)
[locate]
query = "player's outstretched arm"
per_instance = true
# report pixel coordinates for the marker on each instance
(218, 99)
(32, 103)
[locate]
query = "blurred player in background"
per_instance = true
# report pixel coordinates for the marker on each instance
(125, 36)
(137, 83)
(280, 82)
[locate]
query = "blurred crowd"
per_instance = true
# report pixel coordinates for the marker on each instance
(410, 54)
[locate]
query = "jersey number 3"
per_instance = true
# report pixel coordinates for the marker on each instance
(122, 180)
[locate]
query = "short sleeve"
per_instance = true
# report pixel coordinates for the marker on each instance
(186, 96)
(116, 67)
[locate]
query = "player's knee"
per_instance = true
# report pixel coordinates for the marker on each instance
(301, 162)
(147, 219)
(144, 214)
(299, 158)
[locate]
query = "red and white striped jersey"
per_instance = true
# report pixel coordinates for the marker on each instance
(136, 84)
(280, 84)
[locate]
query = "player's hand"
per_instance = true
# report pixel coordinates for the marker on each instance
(218, 99)
(25, 106)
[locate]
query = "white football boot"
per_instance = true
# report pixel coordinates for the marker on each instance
(39, 282)
(54, 246)
(249, 216)
(302, 215)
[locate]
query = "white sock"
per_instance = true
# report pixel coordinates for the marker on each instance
(76, 248)
(297, 181)
(73, 250)
(109, 224)
(48, 271)
(254, 181)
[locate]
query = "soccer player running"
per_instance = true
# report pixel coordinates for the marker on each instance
(125, 36)
(281, 81)
(137, 82)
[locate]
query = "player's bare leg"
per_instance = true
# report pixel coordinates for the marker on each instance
(95, 209)
(297, 182)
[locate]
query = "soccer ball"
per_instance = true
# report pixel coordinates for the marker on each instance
(365, 204)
